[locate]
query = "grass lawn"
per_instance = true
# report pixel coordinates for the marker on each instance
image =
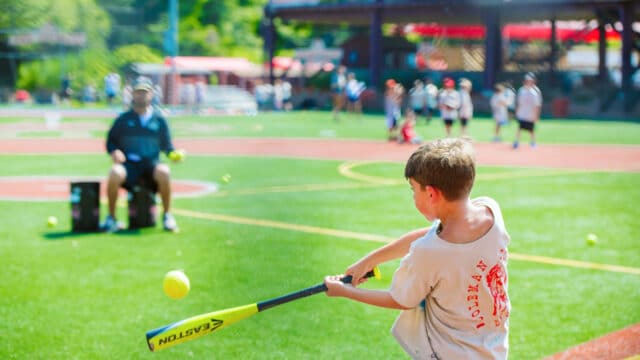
(314, 124)
(93, 296)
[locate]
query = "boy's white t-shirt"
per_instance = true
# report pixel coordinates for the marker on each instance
(466, 313)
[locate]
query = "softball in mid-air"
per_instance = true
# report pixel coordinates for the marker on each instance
(592, 239)
(176, 284)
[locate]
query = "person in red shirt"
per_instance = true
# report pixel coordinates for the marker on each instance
(408, 131)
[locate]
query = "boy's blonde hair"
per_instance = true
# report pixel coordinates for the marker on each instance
(447, 164)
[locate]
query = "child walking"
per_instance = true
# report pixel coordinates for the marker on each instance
(449, 102)
(451, 284)
(500, 110)
(466, 105)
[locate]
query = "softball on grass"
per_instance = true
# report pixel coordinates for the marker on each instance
(226, 178)
(177, 155)
(592, 239)
(176, 284)
(52, 221)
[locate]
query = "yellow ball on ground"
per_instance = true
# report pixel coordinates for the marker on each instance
(226, 178)
(52, 221)
(592, 239)
(176, 284)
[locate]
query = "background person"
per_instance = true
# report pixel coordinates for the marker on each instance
(338, 85)
(417, 97)
(393, 96)
(466, 105)
(449, 102)
(452, 281)
(510, 95)
(134, 143)
(528, 106)
(353, 91)
(408, 129)
(431, 98)
(499, 110)
(111, 86)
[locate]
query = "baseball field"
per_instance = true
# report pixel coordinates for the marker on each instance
(306, 197)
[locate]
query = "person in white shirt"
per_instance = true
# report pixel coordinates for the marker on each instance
(417, 98)
(528, 106)
(287, 103)
(499, 109)
(451, 284)
(466, 105)
(278, 95)
(338, 85)
(353, 90)
(510, 95)
(431, 98)
(449, 102)
(393, 99)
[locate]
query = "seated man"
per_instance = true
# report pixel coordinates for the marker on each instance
(134, 142)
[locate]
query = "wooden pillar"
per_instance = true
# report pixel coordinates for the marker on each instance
(626, 18)
(602, 50)
(493, 47)
(375, 48)
(269, 37)
(553, 54)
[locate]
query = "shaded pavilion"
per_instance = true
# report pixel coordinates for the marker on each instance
(493, 14)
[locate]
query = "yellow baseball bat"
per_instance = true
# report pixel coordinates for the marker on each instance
(199, 325)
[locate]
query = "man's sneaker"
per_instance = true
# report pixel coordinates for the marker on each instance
(515, 144)
(533, 145)
(110, 224)
(169, 223)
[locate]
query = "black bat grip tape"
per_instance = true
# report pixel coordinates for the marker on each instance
(267, 304)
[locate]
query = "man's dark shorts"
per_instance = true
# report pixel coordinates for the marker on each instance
(526, 125)
(448, 122)
(140, 174)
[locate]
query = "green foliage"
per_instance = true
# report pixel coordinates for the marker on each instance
(40, 75)
(66, 15)
(83, 68)
(126, 55)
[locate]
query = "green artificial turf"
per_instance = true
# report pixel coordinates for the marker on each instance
(94, 296)
(320, 124)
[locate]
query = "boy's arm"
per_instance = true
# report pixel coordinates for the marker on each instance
(390, 251)
(381, 298)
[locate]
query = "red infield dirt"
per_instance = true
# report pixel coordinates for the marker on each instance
(582, 157)
(618, 345)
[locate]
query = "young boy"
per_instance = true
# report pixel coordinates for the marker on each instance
(449, 102)
(499, 109)
(408, 130)
(452, 281)
(393, 99)
(466, 105)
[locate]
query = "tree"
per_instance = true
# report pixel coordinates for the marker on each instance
(23, 16)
